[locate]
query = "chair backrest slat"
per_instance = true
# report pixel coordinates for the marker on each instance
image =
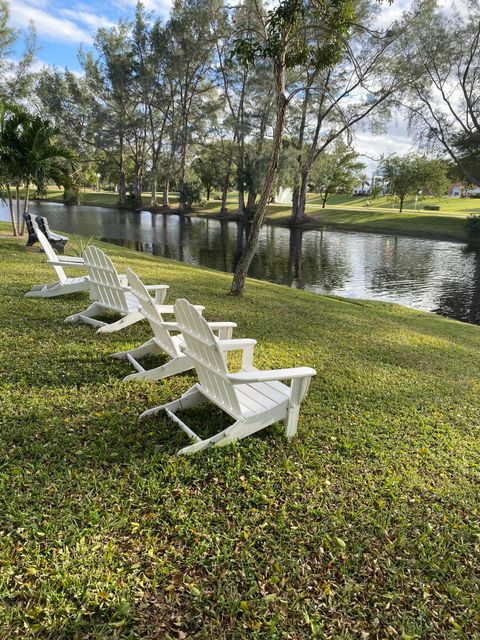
(105, 285)
(152, 314)
(31, 228)
(51, 255)
(42, 224)
(202, 347)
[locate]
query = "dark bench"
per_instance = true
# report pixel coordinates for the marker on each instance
(57, 241)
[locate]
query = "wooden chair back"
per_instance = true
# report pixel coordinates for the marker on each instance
(51, 255)
(152, 314)
(105, 285)
(202, 347)
(31, 228)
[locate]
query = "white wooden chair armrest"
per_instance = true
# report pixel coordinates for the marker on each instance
(165, 308)
(236, 344)
(160, 291)
(168, 308)
(171, 326)
(64, 263)
(155, 287)
(76, 259)
(222, 325)
(246, 345)
(213, 325)
(248, 377)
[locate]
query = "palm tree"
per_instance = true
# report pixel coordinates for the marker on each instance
(29, 155)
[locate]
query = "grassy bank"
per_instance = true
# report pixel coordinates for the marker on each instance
(344, 212)
(366, 525)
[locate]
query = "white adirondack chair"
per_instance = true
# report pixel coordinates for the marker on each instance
(110, 292)
(254, 399)
(65, 284)
(163, 340)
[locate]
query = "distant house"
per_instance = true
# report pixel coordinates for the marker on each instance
(460, 190)
(455, 190)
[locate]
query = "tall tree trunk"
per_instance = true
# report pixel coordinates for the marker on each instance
(325, 196)
(295, 198)
(301, 138)
(153, 196)
(183, 161)
(302, 197)
(165, 195)
(122, 189)
(209, 188)
(241, 155)
(223, 205)
(17, 198)
(402, 198)
(238, 283)
(252, 196)
(12, 213)
(25, 207)
(137, 184)
(241, 188)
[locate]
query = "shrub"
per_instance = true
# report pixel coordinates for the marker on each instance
(193, 193)
(431, 207)
(473, 228)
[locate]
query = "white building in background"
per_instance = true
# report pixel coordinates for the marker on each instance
(455, 190)
(458, 190)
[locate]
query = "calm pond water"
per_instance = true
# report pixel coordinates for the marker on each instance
(423, 274)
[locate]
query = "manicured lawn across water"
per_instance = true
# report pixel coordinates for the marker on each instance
(366, 525)
(342, 212)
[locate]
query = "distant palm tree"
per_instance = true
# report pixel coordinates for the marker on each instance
(29, 155)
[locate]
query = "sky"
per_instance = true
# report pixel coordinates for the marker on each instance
(63, 26)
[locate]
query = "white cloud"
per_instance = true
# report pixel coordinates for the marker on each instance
(395, 140)
(46, 24)
(390, 13)
(92, 20)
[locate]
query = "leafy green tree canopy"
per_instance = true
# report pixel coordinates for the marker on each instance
(410, 174)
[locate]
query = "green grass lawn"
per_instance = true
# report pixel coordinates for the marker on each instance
(366, 525)
(450, 205)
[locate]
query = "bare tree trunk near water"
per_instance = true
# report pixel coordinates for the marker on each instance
(239, 277)
(12, 213)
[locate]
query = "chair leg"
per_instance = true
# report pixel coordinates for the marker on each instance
(92, 311)
(298, 390)
(177, 365)
(219, 439)
(191, 398)
(126, 321)
(149, 348)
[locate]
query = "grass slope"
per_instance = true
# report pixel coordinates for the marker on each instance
(364, 526)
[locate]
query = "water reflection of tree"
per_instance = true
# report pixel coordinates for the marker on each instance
(161, 229)
(325, 263)
(460, 298)
(294, 268)
(302, 259)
